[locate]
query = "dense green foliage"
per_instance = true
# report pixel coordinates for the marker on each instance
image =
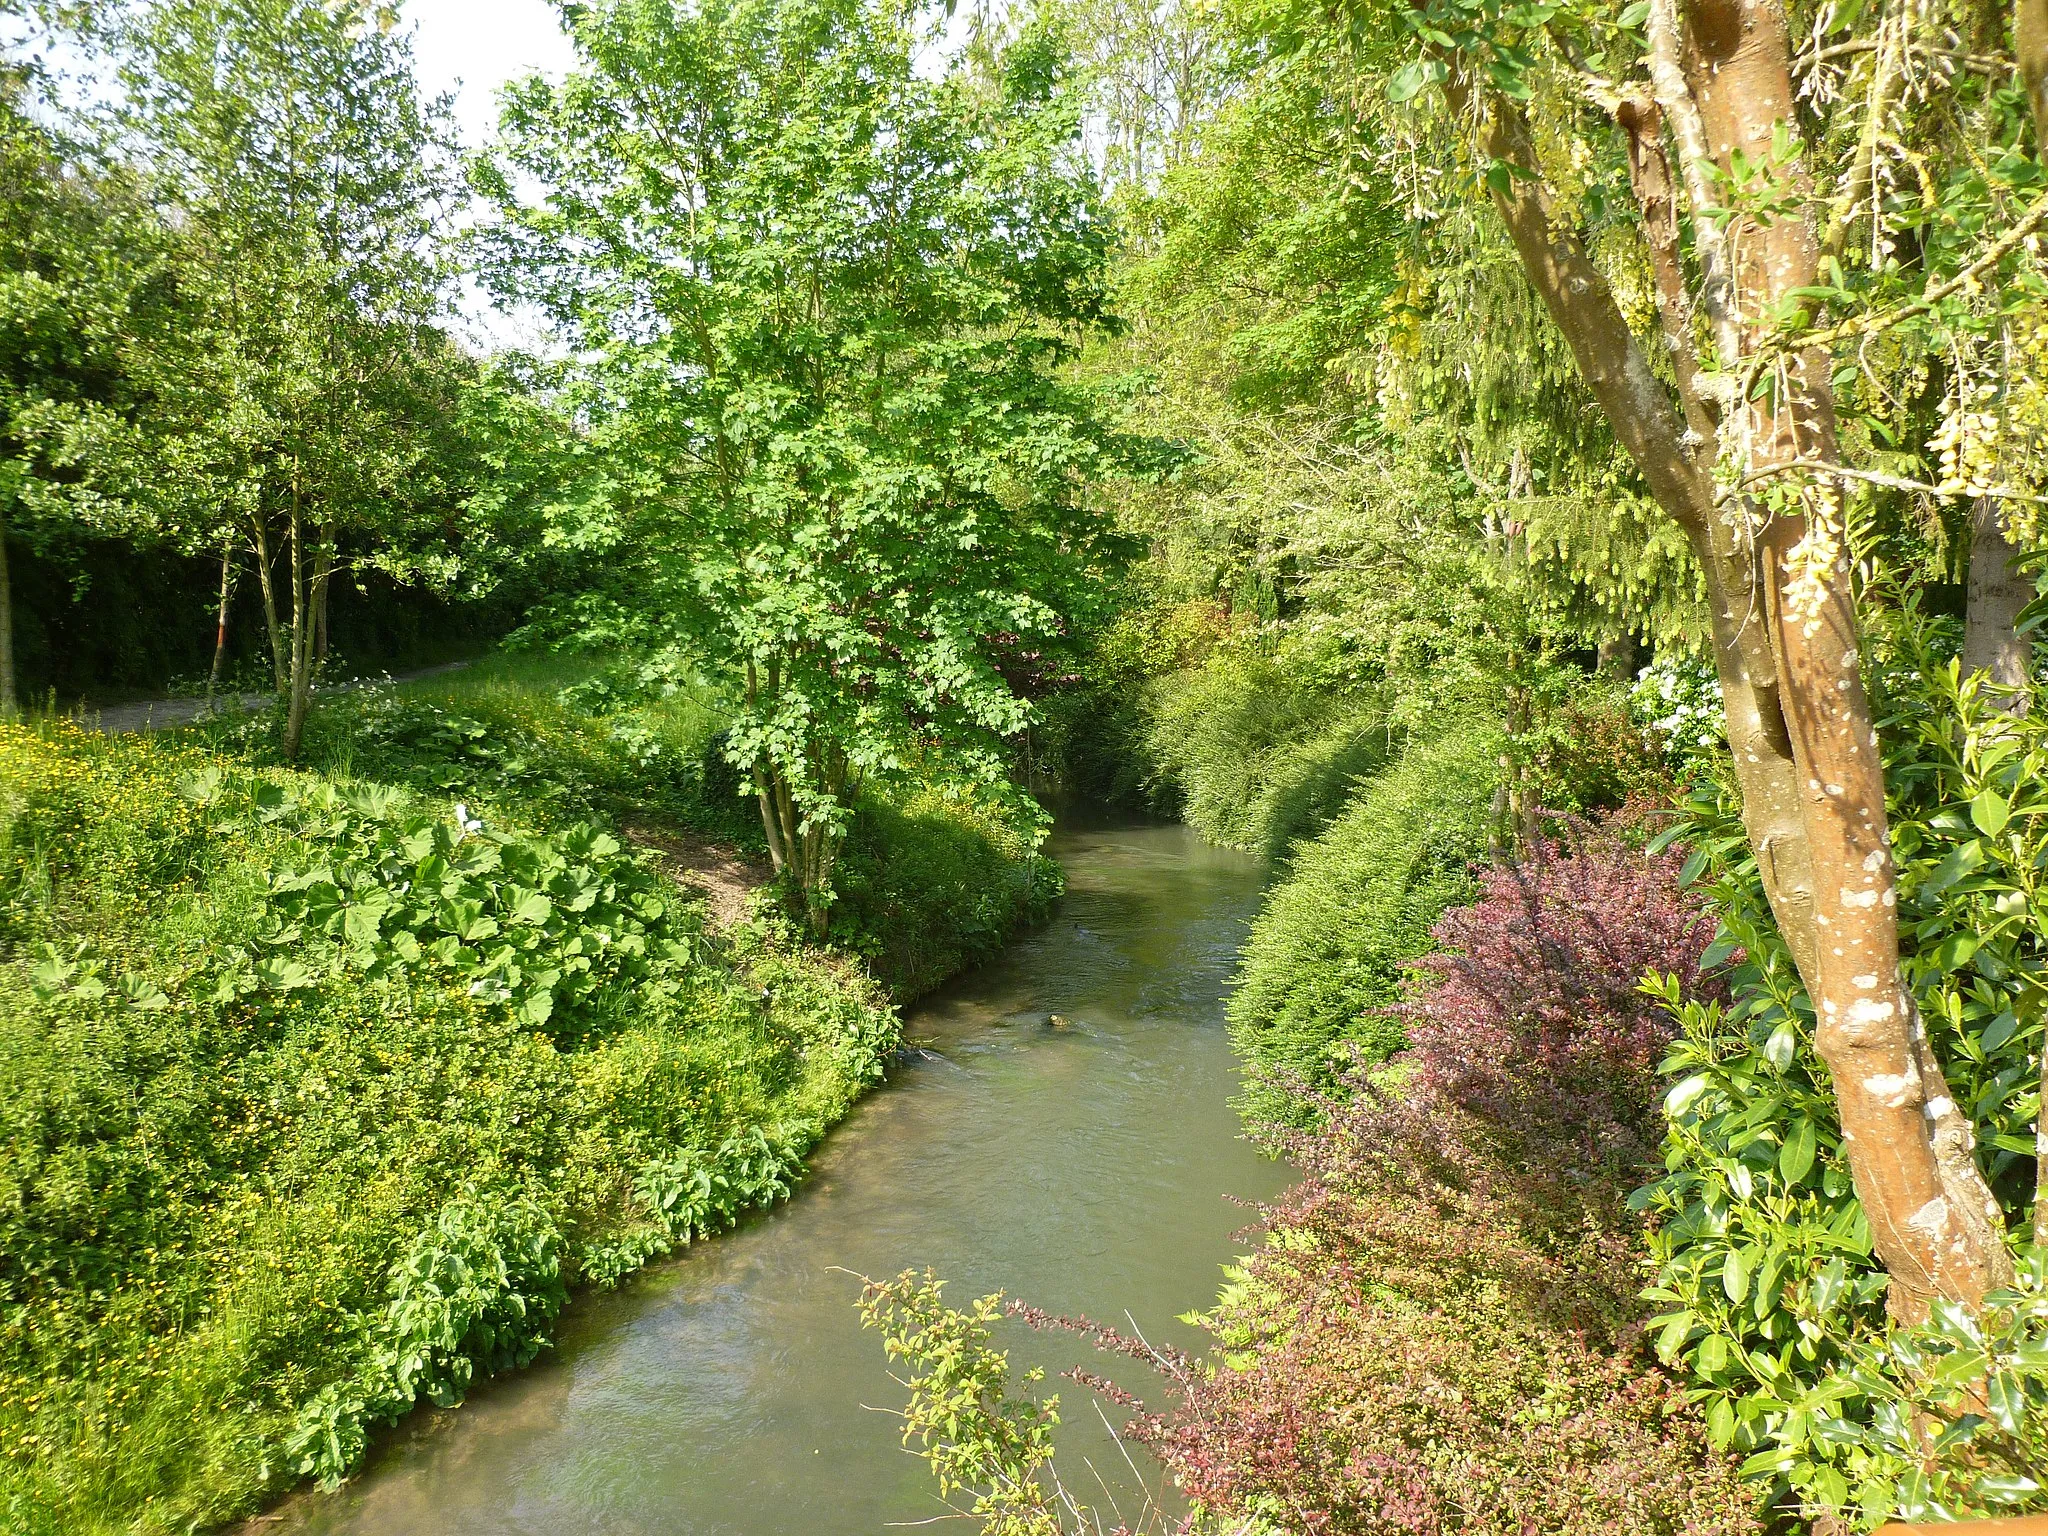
(1324, 961)
(1773, 1296)
(276, 1042)
(819, 302)
(324, 1087)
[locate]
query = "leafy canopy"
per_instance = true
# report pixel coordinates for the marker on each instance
(817, 303)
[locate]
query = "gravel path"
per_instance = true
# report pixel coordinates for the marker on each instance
(160, 714)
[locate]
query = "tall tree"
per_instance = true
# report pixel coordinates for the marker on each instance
(818, 300)
(75, 248)
(307, 176)
(1766, 290)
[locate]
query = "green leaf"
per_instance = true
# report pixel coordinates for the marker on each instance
(1713, 1355)
(1795, 1157)
(1408, 81)
(1683, 1094)
(532, 909)
(1990, 811)
(1735, 1274)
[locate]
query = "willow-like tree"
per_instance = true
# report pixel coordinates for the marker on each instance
(817, 300)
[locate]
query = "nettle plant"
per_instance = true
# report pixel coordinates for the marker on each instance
(1775, 1301)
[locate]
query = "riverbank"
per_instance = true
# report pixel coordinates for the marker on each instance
(730, 1390)
(324, 1086)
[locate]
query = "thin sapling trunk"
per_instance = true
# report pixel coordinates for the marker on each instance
(220, 633)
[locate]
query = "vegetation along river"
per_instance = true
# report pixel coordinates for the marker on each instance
(1085, 1169)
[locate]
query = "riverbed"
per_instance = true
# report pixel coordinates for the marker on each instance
(1088, 1166)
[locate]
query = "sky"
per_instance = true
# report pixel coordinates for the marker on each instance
(471, 47)
(467, 49)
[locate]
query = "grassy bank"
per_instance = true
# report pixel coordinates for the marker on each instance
(321, 1088)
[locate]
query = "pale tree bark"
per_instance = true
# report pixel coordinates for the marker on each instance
(273, 626)
(309, 586)
(1934, 1221)
(1799, 725)
(1997, 590)
(2030, 45)
(301, 652)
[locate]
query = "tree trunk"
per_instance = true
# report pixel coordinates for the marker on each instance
(302, 641)
(323, 583)
(2030, 47)
(10, 699)
(1998, 590)
(220, 632)
(280, 667)
(1616, 660)
(1933, 1219)
(1799, 726)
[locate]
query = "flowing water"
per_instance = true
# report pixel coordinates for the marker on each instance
(732, 1392)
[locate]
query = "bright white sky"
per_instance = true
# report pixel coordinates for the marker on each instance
(471, 47)
(468, 48)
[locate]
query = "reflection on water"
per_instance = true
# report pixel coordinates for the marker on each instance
(1085, 1169)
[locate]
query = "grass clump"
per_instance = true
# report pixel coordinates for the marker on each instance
(317, 1095)
(1323, 963)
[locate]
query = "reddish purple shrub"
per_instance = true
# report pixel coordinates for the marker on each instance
(1530, 1016)
(1412, 1362)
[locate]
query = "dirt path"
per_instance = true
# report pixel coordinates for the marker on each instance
(161, 714)
(715, 872)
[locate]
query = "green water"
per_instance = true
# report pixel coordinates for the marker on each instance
(732, 1392)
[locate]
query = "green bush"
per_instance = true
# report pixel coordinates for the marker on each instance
(935, 880)
(1773, 1301)
(255, 1028)
(1258, 752)
(1324, 959)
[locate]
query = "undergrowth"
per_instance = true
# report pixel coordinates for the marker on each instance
(1323, 963)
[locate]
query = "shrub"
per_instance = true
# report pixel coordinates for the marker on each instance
(1257, 752)
(933, 879)
(1532, 1014)
(1411, 1354)
(1439, 1332)
(1322, 966)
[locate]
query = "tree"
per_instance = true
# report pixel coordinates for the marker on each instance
(296, 400)
(1779, 310)
(75, 247)
(818, 301)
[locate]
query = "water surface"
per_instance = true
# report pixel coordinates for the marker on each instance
(731, 1392)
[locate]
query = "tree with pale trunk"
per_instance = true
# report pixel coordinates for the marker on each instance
(1821, 202)
(294, 407)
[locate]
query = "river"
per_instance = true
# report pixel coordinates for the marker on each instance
(732, 1392)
